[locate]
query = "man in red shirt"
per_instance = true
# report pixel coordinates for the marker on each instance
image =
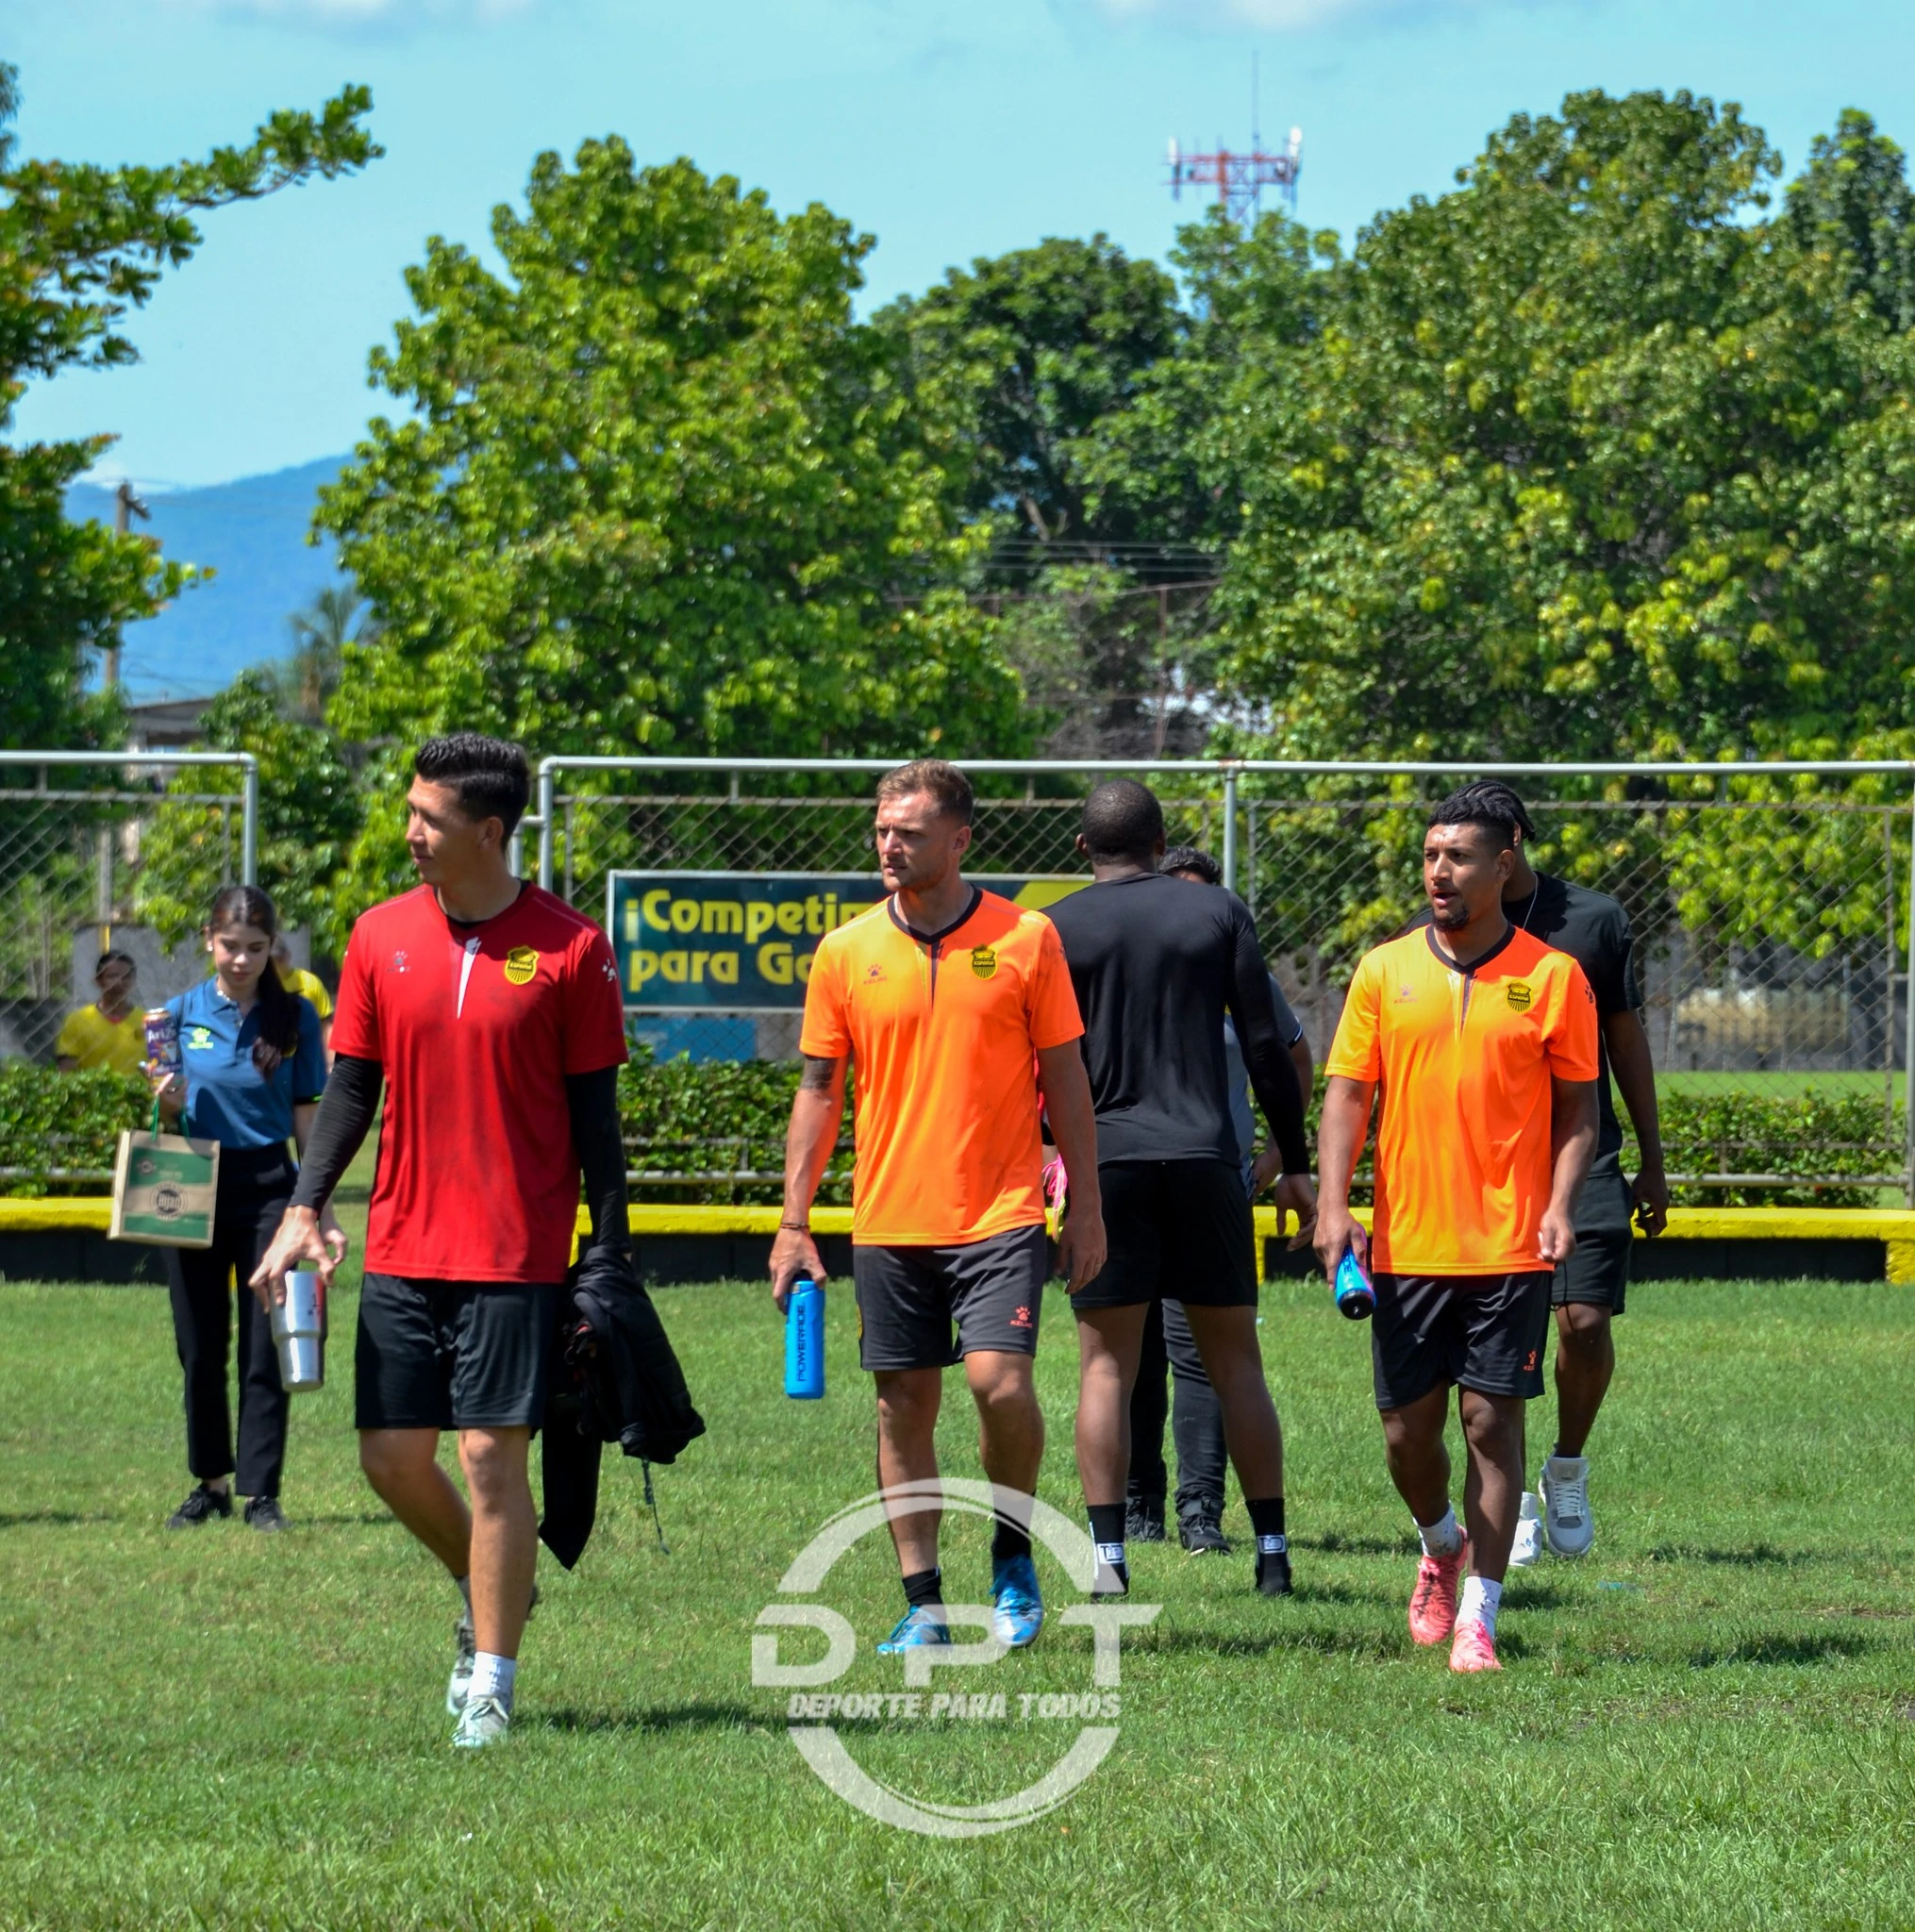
(491, 1010)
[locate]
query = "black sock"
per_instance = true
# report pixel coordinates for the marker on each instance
(923, 1588)
(1265, 1519)
(1009, 1541)
(1107, 1528)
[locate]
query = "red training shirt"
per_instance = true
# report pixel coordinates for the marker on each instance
(477, 1027)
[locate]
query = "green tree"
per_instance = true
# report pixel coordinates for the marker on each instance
(659, 490)
(311, 671)
(80, 246)
(309, 814)
(1589, 457)
(1030, 352)
(1854, 200)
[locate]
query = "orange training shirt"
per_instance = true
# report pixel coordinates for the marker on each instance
(1465, 1061)
(942, 1033)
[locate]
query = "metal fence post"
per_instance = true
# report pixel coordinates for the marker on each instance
(1229, 828)
(547, 789)
(249, 819)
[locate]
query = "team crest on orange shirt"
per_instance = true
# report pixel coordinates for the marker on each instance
(983, 961)
(521, 963)
(1520, 994)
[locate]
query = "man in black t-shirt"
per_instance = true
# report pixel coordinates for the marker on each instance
(1590, 1287)
(1156, 962)
(1196, 1422)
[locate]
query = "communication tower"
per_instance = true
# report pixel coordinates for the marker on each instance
(1240, 178)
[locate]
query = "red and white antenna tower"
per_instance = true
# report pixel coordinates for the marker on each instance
(1241, 179)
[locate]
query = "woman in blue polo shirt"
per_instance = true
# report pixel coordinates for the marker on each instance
(252, 1069)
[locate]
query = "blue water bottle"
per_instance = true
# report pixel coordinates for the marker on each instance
(1355, 1297)
(805, 1341)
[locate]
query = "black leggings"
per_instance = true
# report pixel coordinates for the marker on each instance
(1196, 1417)
(207, 1283)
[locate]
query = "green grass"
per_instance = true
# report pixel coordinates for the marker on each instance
(1710, 1722)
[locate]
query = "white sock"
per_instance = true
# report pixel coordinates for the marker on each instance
(1443, 1538)
(464, 1587)
(1480, 1601)
(492, 1677)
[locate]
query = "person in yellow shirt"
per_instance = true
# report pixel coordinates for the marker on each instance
(309, 986)
(109, 1033)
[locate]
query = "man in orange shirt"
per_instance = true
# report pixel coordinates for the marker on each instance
(1484, 1042)
(954, 1007)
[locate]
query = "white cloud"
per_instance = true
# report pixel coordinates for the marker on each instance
(1276, 16)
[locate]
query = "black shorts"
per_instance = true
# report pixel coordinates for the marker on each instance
(453, 1354)
(1178, 1230)
(908, 1300)
(1598, 1272)
(1480, 1331)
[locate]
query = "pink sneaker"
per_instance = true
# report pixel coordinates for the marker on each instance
(1475, 1649)
(1433, 1602)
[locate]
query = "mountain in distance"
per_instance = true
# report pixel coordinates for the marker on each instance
(253, 533)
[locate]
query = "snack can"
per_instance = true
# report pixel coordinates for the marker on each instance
(163, 1039)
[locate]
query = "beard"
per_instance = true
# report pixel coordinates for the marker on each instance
(1454, 920)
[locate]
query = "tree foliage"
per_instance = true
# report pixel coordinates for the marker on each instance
(659, 490)
(82, 246)
(1589, 457)
(310, 812)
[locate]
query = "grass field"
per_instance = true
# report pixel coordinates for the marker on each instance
(1710, 1722)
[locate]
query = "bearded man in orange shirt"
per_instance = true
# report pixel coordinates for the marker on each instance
(1484, 1042)
(956, 1009)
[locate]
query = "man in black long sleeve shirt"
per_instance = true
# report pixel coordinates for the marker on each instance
(1156, 963)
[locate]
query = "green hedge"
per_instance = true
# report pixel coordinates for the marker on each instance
(1736, 1132)
(728, 1118)
(683, 1116)
(51, 1120)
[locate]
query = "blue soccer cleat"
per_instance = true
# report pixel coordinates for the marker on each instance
(919, 1626)
(1017, 1611)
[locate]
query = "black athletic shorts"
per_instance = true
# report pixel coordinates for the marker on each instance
(1480, 1331)
(453, 1354)
(1598, 1272)
(909, 1299)
(1177, 1229)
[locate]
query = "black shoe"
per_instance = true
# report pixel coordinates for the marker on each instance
(1143, 1519)
(1273, 1573)
(1202, 1534)
(264, 1513)
(199, 1506)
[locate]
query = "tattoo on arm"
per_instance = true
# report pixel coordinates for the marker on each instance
(818, 1074)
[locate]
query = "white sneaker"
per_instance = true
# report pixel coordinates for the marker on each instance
(484, 1720)
(1566, 1520)
(1526, 1550)
(465, 1653)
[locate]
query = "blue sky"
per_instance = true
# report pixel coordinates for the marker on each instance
(947, 130)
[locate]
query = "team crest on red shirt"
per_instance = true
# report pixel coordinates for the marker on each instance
(522, 963)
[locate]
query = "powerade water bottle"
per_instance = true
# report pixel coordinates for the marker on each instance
(805, 1341)
(1356, 1298)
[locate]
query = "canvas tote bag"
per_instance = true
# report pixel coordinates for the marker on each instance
(164, 1187)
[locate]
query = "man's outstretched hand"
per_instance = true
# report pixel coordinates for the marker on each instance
(306, 1240)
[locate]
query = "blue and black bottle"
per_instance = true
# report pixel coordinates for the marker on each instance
(805, 1341)
(1355, 1297)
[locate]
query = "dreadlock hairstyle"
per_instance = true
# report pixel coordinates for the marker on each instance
(1490, 804)
(278, 1009)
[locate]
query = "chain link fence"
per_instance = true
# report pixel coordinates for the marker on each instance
(1769, 904)
(72, 829)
